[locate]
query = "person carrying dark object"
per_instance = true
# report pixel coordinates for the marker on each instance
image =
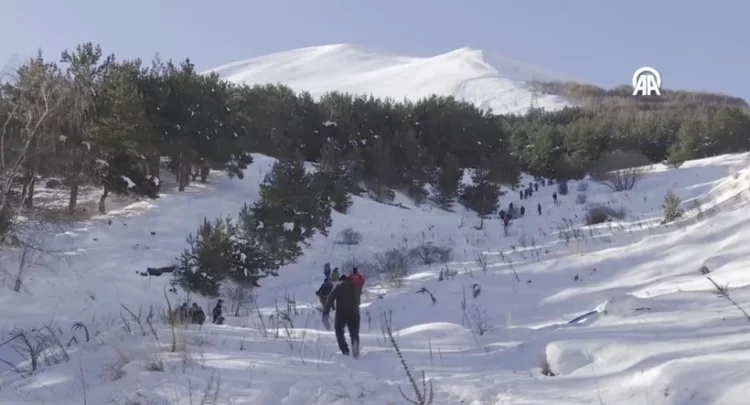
(346, 296)
(324, 291)
(197, 316)
(523, 210)
(217, 313)
(539, 208)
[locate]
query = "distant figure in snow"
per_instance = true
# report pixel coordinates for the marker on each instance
(520, 194)
(510, 207)
(197, 316)
(335, 275)
(180, 314)
(536, 186)
(217, 313)
(324, 291)
(539, 208)
(523, 210)
(502, 214)
(554, 197)
(357, 278)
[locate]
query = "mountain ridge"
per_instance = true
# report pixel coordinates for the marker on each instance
(486, 79)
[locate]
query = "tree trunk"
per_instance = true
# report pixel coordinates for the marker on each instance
(73, 196)
(183, 168)
(102, 201)
(29, 202)
(154, 165)
(205, 170)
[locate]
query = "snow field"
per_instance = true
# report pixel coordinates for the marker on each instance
(658, 336)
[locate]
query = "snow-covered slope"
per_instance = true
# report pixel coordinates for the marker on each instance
(658, 334)
(482, 78)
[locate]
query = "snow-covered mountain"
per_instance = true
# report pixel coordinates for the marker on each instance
(485, 79)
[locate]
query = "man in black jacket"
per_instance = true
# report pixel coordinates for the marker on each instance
(324, 291)
(346, 296)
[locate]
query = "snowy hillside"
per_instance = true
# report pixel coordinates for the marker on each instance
(658, 333)
(485, 79)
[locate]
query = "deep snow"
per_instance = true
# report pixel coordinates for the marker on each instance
(660, 336)
(482, 78)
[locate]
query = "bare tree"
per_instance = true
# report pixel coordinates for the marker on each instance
(239, 296)
(29, 103)
(620, 170)
(85, 69)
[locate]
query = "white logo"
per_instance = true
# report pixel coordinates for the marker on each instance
(646, 81)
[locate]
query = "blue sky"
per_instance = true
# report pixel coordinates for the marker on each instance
(695, 44)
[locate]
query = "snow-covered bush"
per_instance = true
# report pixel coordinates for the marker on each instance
(672, 209)
(366, 266)
(394, 264)
(428, 253)
(349, 237)
(598, 213)
(583, 187)
(581, 198)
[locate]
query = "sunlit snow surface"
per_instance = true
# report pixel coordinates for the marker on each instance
(660, 337)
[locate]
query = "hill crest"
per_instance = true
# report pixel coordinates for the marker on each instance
(488, 80)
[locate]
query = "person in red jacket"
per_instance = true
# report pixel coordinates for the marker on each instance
(357, 278)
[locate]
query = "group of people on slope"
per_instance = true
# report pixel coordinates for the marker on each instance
(186, 313)
(342, 294)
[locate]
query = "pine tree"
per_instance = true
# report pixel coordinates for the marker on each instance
(208, 258)
(671, 206)
(446, 182)
(291, 208)
(481, 196)
(221, 251)
(333, 178)
(562, 187)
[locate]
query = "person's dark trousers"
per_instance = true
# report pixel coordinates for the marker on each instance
(350, 320)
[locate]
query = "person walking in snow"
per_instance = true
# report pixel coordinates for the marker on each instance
(539, 208)
(502, 214)
(523, 210)
(346, 296)
(520, 194)
(536, 186)
(217, 313)
(335, 275)
(554, 197)
(324, 291)
(197, 316)
(357, 278)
